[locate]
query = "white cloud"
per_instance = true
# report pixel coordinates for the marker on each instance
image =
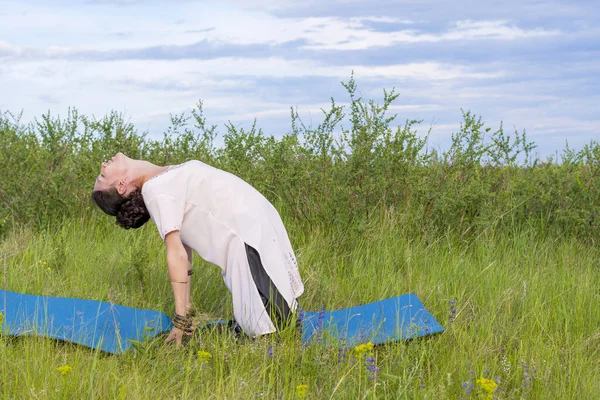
(48, 33)
(148, 91)
(49, 58)
(387, 20)
(341, 36)
(189, 73)
(6, 49)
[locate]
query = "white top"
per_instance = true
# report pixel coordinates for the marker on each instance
(212, 209)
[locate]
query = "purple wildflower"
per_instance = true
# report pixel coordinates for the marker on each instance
(371, 367)
(342, 352)
(270, 351)
(426, 321)
(452, 316)
(469, 384)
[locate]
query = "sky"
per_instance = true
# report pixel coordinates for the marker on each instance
(532, 65)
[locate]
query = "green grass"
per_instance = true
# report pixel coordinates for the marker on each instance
(526, 316)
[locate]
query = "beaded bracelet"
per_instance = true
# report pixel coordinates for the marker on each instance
(182, 323)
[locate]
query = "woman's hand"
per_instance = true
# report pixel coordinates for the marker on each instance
(177, 335)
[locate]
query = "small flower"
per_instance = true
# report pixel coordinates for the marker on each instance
(342, 354)
(371, 367)
(426, 322)
(488, 386)
(270, 351)
(361, 349)
(469, 385)
(452, 316)
(65, 369)
(44, 262)
(506, 365)
(49, 269)
(301, 391)
(203, 356)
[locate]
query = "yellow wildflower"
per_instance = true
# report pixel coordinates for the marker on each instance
(301, 391)
(488, 386)
(65, 369)
(49, 269)
(363, 348)
(203, 356)
(44, 262)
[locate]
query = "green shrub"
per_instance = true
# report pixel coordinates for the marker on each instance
(338, 173)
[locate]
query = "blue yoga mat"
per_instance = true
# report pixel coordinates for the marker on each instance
(96, 324)
(397, 318)
(112, 327)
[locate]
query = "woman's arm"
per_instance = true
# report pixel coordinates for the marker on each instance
(189, 284)
(178, 264)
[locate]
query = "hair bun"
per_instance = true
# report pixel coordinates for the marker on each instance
(133, 212)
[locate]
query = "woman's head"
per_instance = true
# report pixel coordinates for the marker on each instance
(118, 193)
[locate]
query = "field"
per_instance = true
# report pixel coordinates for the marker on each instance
(500, 246)
(519, 309)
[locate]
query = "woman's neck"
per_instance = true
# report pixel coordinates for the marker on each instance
(144, 171)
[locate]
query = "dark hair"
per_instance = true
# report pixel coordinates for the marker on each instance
(131, 211)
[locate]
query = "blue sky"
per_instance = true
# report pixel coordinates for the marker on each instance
(535, 65)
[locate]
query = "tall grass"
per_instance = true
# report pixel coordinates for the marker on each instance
(525, 316)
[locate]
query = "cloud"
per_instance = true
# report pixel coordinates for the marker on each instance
(529, 64)
(387, 20)
(107, 34)
(277, 67)
(7, 50)
(342, 36)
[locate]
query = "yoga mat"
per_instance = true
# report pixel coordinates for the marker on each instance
(397, 318)
(112, 327)
(96, 324)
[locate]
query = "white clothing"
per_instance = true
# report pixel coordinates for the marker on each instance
(217, 213)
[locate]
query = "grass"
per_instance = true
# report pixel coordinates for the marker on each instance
(525, 304)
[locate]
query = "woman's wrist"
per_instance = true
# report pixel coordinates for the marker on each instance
(182, 323)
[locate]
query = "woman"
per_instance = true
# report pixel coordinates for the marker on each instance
(224, 220)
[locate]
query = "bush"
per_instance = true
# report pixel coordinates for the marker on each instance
(331, 174)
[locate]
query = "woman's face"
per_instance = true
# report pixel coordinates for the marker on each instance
(113, 173)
